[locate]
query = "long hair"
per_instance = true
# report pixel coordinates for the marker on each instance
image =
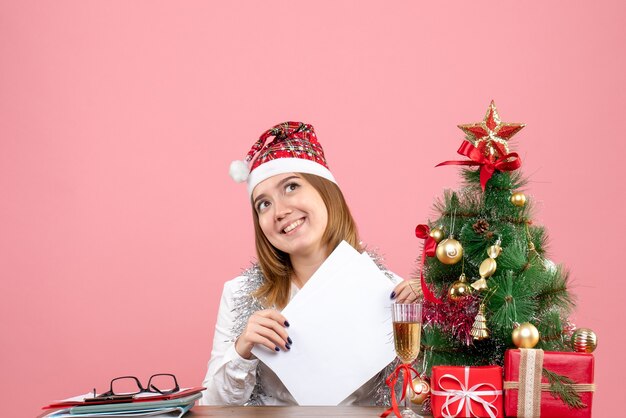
(276, 264)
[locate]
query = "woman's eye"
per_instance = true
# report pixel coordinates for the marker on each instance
(262, 205)
(291, 187)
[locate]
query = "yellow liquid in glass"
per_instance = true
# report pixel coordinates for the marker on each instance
(406, 337)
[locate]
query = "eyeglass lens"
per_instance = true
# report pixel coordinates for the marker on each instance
(125, 386)
(163, 383)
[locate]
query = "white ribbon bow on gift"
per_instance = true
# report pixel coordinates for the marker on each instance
(466, 396)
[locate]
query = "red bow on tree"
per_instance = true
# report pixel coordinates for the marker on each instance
(488, 166)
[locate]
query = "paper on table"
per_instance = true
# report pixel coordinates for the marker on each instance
(144, 395)
(176, 412)
(341, 329)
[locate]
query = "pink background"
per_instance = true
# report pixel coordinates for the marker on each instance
(119, 223)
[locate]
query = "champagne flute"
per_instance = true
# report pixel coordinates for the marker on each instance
(407, 331)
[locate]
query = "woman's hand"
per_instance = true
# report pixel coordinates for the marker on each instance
(266, 327)
(407, 291)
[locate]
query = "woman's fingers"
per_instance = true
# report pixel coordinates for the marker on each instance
(258, 339)
(275, 315)
(274, 331)
(267, 328)
(273, 319)
(407, 292)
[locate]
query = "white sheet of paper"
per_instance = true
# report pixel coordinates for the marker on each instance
(341, 330)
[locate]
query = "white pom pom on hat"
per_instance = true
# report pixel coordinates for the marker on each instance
(239, 171)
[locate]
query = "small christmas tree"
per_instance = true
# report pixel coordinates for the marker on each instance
(484, 269)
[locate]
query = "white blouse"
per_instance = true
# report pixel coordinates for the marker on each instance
(230, 378)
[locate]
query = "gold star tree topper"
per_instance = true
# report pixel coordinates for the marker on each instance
(491, 135)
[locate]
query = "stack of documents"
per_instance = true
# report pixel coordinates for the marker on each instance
(143, 405)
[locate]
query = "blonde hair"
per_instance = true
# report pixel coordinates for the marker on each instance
(276, 265)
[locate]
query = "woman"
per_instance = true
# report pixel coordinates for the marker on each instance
(300, 216)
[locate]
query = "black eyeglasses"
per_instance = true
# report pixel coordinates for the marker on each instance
(163, 383)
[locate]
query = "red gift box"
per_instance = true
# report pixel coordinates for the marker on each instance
(533, 389)
(458, 391)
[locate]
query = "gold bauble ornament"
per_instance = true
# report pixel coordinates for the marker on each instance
(584, 340)
(423, 391)
(525, 335)
(518, 199)
(436, 234)
(480, 284)
(487, 267)
(459, 289)
(449, 251)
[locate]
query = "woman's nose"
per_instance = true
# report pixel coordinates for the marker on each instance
(282, 210)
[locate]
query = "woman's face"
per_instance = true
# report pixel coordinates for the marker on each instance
(292, 214)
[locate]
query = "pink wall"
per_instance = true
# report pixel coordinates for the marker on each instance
(118, 120)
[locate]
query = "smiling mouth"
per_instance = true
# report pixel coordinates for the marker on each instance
(293, 226)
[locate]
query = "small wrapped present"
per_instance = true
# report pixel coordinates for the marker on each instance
(458, 391)
(548, 384)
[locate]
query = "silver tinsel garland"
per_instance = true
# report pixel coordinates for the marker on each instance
(245, 304)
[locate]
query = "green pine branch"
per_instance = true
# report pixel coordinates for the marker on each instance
(438, 348)
(512, 301)
(514, 250)
(458, 205)
(554, 291)
(539, 238)
(550, 326)
(499, 181)
(561, 387)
